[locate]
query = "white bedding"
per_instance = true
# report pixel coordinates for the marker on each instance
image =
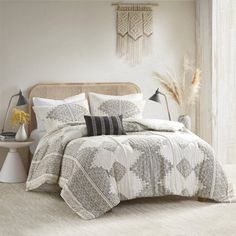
(96, 173)
(36, 135)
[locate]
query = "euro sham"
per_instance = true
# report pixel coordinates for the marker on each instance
(54, 116)
(38, 101)
(106, 105)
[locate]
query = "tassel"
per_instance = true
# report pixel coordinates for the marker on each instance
(134, 32)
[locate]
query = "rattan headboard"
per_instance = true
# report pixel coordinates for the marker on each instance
(61, 91)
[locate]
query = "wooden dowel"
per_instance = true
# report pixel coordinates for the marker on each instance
(135, 3)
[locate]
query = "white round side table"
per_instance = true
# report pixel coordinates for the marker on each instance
(13, 170)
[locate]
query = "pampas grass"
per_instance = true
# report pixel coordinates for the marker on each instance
(183, 92)
(171, 88)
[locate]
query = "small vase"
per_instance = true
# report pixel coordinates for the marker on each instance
(21, 134)
(185, 120)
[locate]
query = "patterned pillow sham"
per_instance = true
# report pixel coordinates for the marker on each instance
(105, 105)
(54, 116)
(104, 125)
(38, 101)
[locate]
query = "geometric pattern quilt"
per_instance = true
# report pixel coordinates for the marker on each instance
(96, 173)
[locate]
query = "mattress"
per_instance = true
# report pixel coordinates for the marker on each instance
(36, 135)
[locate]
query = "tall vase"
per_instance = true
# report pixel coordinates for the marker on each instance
(21, 134)
(185, 120)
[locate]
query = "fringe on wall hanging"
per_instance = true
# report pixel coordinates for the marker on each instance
(134, 32)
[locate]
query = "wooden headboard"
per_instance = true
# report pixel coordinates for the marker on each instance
(61, 91)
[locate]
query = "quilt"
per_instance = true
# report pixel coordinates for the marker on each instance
(155, 158)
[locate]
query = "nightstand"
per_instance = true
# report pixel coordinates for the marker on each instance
(13, 170)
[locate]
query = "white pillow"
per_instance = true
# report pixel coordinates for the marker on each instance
(37, 101)
(106, 105)
(54, 116)
(133, 97)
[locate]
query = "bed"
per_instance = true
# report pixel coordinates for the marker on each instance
(154, 158)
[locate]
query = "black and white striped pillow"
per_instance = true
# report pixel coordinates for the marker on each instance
(104, 125)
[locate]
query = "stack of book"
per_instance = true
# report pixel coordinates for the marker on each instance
(7, 136)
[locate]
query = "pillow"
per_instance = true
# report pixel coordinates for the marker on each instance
(37, 101)
(54, 116)
(104, 125)
(105, 105)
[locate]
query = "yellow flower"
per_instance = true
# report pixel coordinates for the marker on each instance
(19, 117)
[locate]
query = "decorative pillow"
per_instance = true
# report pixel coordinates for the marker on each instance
(104, 125)
(37, 101)
(53, 116)
(105, 105)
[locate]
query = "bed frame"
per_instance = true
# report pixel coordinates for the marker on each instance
(61, 91)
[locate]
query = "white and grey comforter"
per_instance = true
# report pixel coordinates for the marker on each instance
(96, 173)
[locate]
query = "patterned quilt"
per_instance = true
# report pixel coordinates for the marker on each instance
(153, 159)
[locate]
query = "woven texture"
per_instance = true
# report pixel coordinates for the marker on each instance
(134, 32)
(104, 125)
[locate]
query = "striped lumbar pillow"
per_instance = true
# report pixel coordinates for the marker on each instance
(104, 125)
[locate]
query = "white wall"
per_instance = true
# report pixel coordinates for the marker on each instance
(44, 42)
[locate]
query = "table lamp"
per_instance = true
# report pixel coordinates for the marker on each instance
(156, 98)
(21, 101)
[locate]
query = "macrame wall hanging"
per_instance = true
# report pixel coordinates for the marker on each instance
(134, 32)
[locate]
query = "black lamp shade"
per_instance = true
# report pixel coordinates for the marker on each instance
(156, 97)
(21, 100)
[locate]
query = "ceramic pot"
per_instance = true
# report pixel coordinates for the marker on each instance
(185, 120)
(21, 134)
